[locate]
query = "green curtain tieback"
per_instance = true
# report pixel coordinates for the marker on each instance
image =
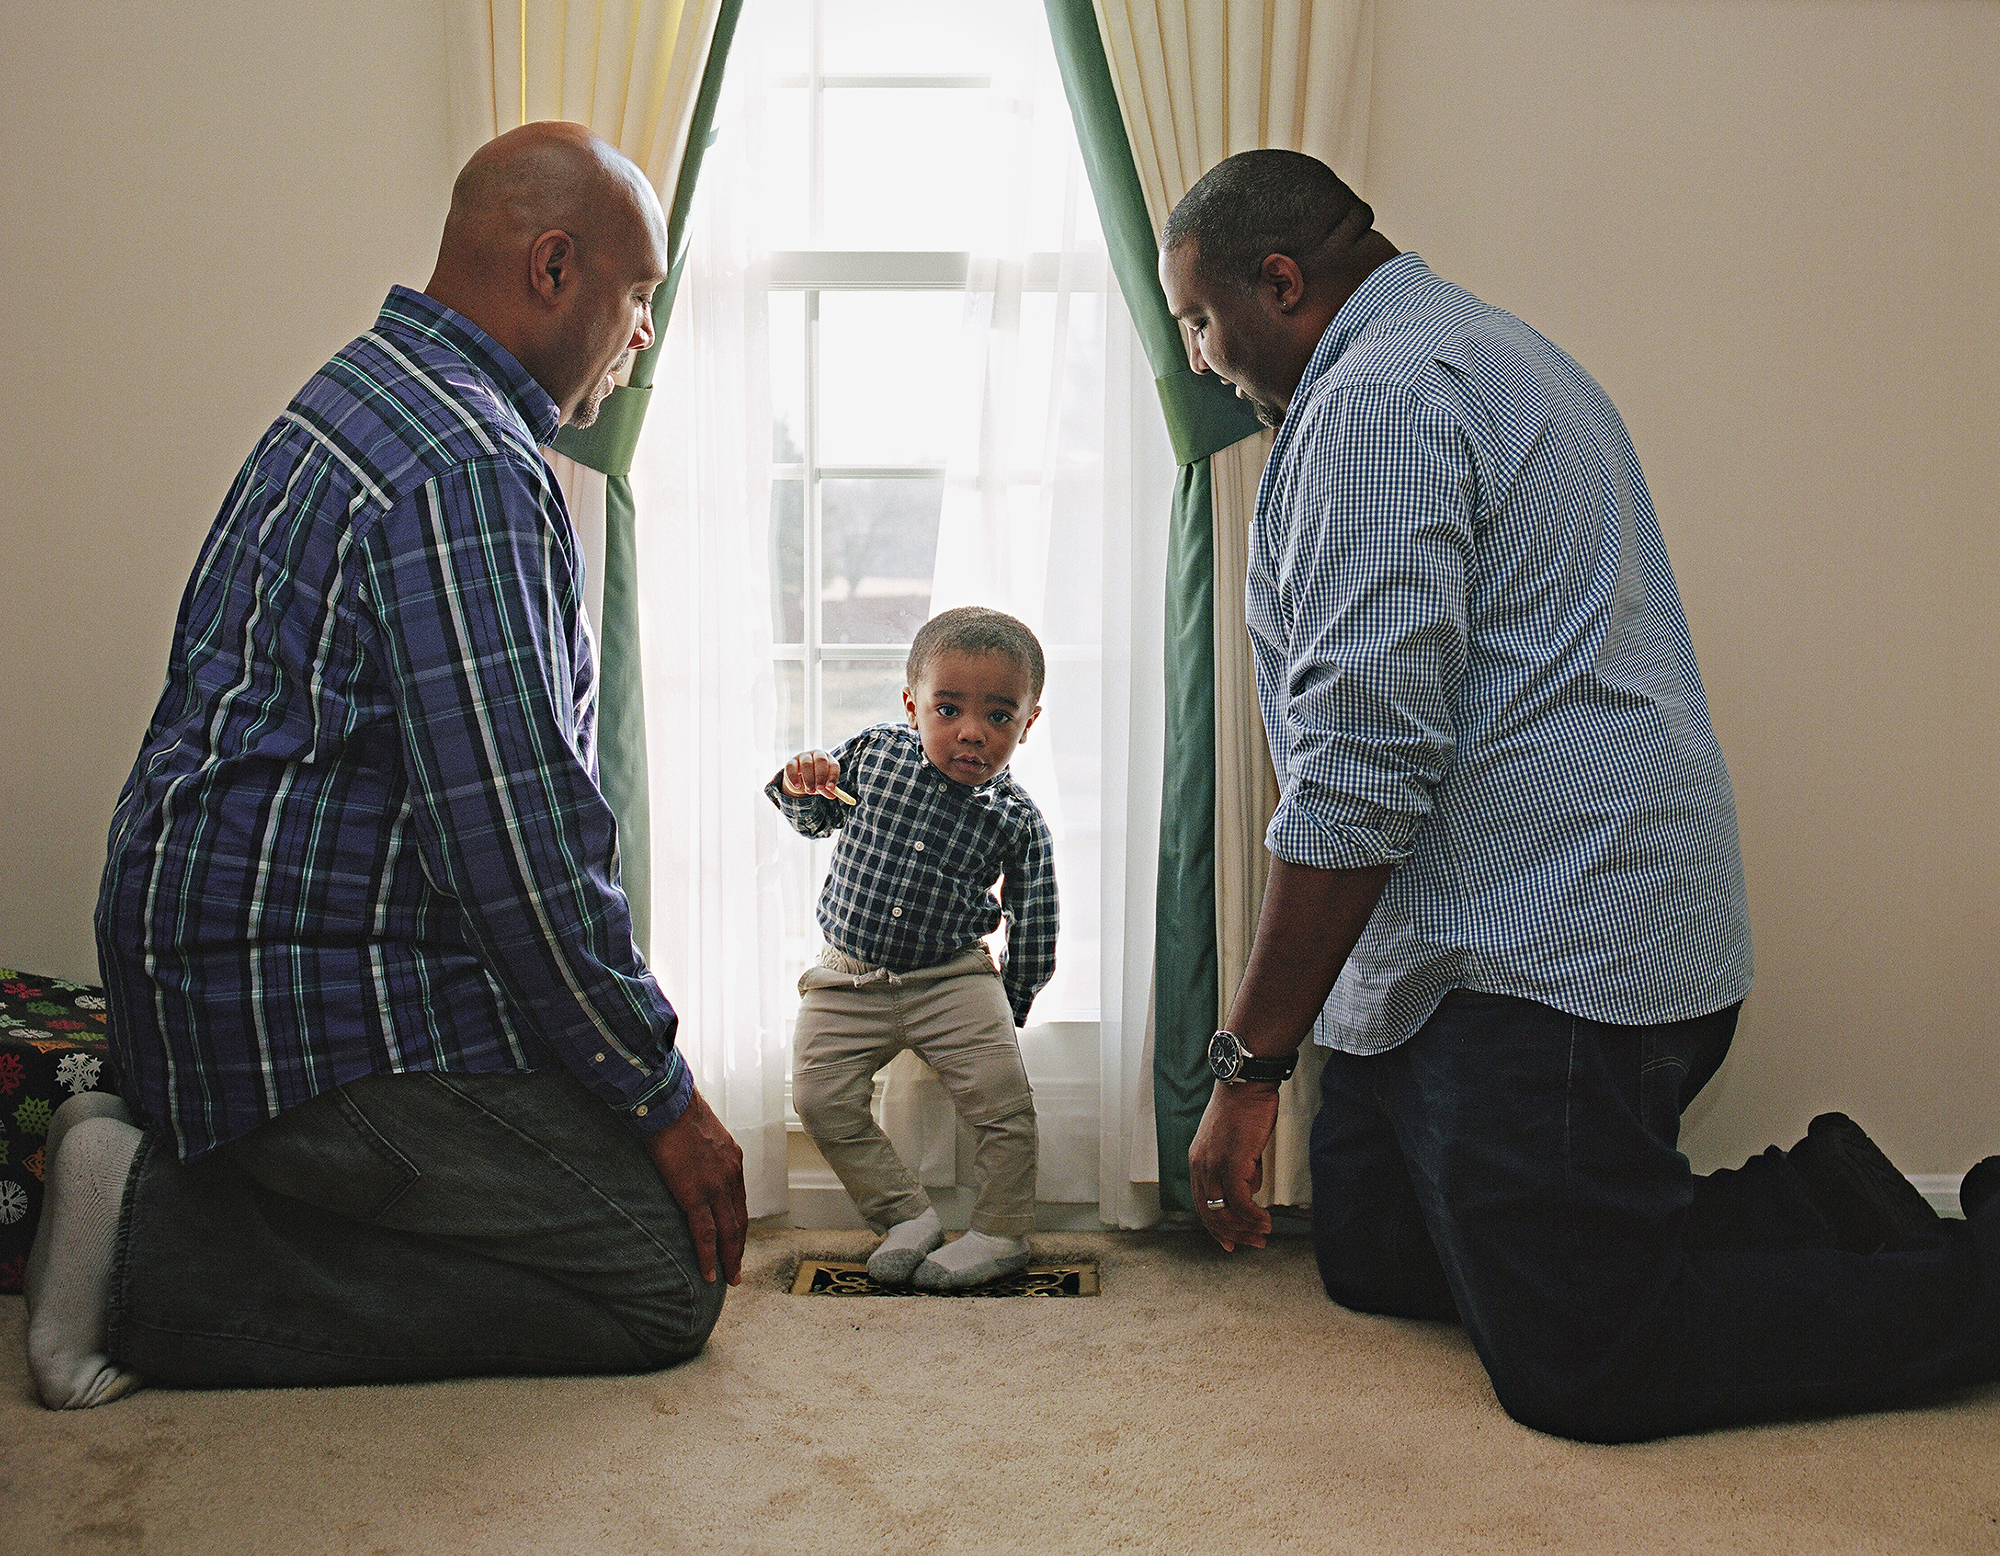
(1204, 416)
(608, 444)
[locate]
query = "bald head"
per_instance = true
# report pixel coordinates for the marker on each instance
(553, 246)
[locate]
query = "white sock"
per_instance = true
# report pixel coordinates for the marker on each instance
(86, 1104)
(71, 1260)
(971, 1260)
(898, 1254)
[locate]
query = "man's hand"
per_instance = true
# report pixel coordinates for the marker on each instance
(703, 1170)
(811, 772)
(1226, 1162)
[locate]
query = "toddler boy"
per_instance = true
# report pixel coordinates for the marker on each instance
(929, 819)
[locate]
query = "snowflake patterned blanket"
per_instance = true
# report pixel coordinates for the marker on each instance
(52, 1045)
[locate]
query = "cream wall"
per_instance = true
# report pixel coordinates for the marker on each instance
(204, 203)
(1771, 229)
(1768, 228)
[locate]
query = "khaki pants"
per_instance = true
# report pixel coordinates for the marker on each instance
(855, 1019)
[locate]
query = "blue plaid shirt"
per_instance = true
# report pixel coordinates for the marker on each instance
(912, 877)
(364, 832)
(1472, 661)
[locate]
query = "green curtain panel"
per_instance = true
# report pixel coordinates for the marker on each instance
(608, 445)
(1203, 416)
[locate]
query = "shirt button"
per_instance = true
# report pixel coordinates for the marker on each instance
(920, 848)
(640, 1110)
(600, 1058)
(895, 913)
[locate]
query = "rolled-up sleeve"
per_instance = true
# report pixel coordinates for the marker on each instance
(1356, 600)
(473, 583)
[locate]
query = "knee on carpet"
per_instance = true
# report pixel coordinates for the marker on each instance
(677, 1323)
(1588, 1412)
(1397, 1280)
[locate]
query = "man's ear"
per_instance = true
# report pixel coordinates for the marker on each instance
(551, 263)
(1283, 279)
(910, 706)
(1027, 724)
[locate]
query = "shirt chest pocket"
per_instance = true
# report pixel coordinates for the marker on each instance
(962, 843)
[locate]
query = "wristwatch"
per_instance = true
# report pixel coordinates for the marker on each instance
(1233, 1063)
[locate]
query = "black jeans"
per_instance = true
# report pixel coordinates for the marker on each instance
(1517, 1167)
(408, 1226)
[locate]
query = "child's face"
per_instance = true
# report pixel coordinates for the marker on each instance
(970, 711)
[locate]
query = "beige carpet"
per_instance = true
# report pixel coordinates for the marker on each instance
(1202, 1403)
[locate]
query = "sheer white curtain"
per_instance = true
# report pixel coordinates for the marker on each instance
(1051, 412)
(723, 866)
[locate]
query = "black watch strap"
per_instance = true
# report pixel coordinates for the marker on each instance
(1235, 1064)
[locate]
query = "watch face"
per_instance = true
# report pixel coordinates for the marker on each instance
(1222, 1056)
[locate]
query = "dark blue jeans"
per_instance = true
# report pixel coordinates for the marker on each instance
(1517, 1168)
(403, 1227)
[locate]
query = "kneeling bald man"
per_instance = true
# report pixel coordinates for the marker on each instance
(403, 1099)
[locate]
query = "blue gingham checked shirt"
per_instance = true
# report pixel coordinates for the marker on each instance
(911, 883)
(1472, 661)
(364, 832)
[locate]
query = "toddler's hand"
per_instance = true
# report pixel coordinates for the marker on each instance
(812, 772)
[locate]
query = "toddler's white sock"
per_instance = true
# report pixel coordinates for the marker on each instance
(904, 1248)
(71, 1262)
(971, 1260)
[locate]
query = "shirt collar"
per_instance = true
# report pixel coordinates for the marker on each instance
(1385, 286)
(411, 312)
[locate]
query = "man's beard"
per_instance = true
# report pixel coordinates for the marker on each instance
(586, 413)
(1270, 415)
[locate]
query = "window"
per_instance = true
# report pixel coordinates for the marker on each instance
(897, 378)
(905, 162)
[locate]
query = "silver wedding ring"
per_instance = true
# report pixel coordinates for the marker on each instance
(1214, 1204)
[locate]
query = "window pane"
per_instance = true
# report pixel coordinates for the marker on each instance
(923, 37)
(791, 686)
(780, 214)
(783, 33)
(909, 168)
(884, 360)
(788, 561)
(788, 377)
(877, 549)
(854, 695)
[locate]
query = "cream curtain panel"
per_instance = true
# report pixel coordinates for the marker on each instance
(1198, 81)
(629, 69)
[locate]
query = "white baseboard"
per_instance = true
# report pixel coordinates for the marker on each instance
(1940, 1188)
(819, 1203)
(825, 1207)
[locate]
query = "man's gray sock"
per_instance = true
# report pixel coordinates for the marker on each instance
(86, 1104)
(899, 1253)
(971, 1260)
(71, 1284)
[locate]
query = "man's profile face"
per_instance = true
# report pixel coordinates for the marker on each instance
(610, 314)
(1231, 332)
